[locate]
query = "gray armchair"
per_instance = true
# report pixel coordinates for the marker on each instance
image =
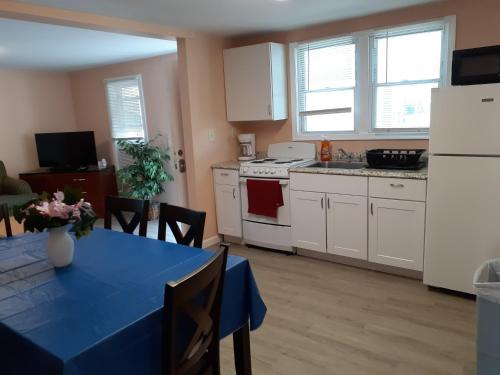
(13, 192)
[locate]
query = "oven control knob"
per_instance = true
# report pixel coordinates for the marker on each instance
(267, 171)
(261, 171)
(245, 169)
(273, 171)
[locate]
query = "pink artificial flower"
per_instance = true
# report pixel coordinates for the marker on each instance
(56, 209)
(59, 195)
(43, 208)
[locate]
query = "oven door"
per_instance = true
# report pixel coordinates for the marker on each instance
(283, 212)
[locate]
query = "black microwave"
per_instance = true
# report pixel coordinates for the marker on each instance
(476, 66)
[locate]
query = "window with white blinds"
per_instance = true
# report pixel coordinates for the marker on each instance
(326, 82)
(406, 65)
(373, 84)
(126, 113)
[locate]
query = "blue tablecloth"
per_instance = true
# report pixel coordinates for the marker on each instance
(102, 314)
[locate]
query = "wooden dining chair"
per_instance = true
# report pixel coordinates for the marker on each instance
(173, 215)
(4, 215)
(196, 298)
(116, 206)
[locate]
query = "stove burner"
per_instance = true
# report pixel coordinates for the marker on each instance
(288, 161)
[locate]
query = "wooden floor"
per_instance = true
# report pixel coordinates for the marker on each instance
(325, 318)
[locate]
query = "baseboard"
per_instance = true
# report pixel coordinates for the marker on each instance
(211, 241)
(232, 239)
(418, 275)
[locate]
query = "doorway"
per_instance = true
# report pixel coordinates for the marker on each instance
(56, 82)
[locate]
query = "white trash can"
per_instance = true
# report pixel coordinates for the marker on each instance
(487, 284)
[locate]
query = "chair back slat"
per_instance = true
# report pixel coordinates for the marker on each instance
(183, 300)
(4, 215)
(173, 215)
(116, 206)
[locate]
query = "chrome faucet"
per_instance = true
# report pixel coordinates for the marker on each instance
(345, 154)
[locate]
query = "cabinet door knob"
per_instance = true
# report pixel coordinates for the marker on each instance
(328, 202)
(397, 185)
(322, 202)
(234, 193)
(371, 208)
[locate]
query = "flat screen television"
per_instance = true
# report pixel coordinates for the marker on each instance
(66, 151)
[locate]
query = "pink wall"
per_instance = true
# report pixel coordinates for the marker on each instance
(31, 102)
(477, 25)
(201, 80)
(90, 103)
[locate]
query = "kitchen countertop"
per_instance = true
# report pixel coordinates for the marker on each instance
(364, 172)
(232, 164)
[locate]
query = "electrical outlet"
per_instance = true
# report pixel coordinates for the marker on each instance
(211, 135)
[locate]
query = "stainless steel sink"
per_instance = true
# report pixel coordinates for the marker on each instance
(338, 164)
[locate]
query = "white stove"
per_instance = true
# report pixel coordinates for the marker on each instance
(270, 167)
(270, 232)
(281, 157)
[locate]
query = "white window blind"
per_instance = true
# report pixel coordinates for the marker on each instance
(126, 113)
(406, 65)
(326, 81)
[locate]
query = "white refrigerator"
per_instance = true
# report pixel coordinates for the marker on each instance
(463, 194)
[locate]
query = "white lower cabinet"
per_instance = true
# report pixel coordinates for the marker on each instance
(381, 220)
(228, 202)
(347, 225)
(325, 218)
(396, 234)
(308, 220)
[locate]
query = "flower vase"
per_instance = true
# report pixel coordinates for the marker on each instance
(60, 247)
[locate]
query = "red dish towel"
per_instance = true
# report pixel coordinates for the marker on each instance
(264, 197)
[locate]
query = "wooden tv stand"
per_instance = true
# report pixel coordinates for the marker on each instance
(94, 183)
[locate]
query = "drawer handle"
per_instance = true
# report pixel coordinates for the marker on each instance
(224, 174)
(79, 179)
(397, 185)
(371, 208)
(84, 192)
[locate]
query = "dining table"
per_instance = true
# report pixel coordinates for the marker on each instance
(103, 313)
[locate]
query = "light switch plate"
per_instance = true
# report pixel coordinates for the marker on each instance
(211, 135)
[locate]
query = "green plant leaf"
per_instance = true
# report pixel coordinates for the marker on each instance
(145, 177)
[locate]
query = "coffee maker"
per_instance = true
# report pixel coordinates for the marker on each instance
(247, 146)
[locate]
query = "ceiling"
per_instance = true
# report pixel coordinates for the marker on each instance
(232, 17)
(30, 45)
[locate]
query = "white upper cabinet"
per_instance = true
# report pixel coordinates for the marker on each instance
(255, 80)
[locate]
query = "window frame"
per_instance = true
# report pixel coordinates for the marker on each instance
(114, 140)
(346, 40)
(364, 91)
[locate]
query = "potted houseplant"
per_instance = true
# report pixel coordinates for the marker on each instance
(63, 212)
(145, 177)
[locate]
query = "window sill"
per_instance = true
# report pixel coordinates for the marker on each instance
(361, 136)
